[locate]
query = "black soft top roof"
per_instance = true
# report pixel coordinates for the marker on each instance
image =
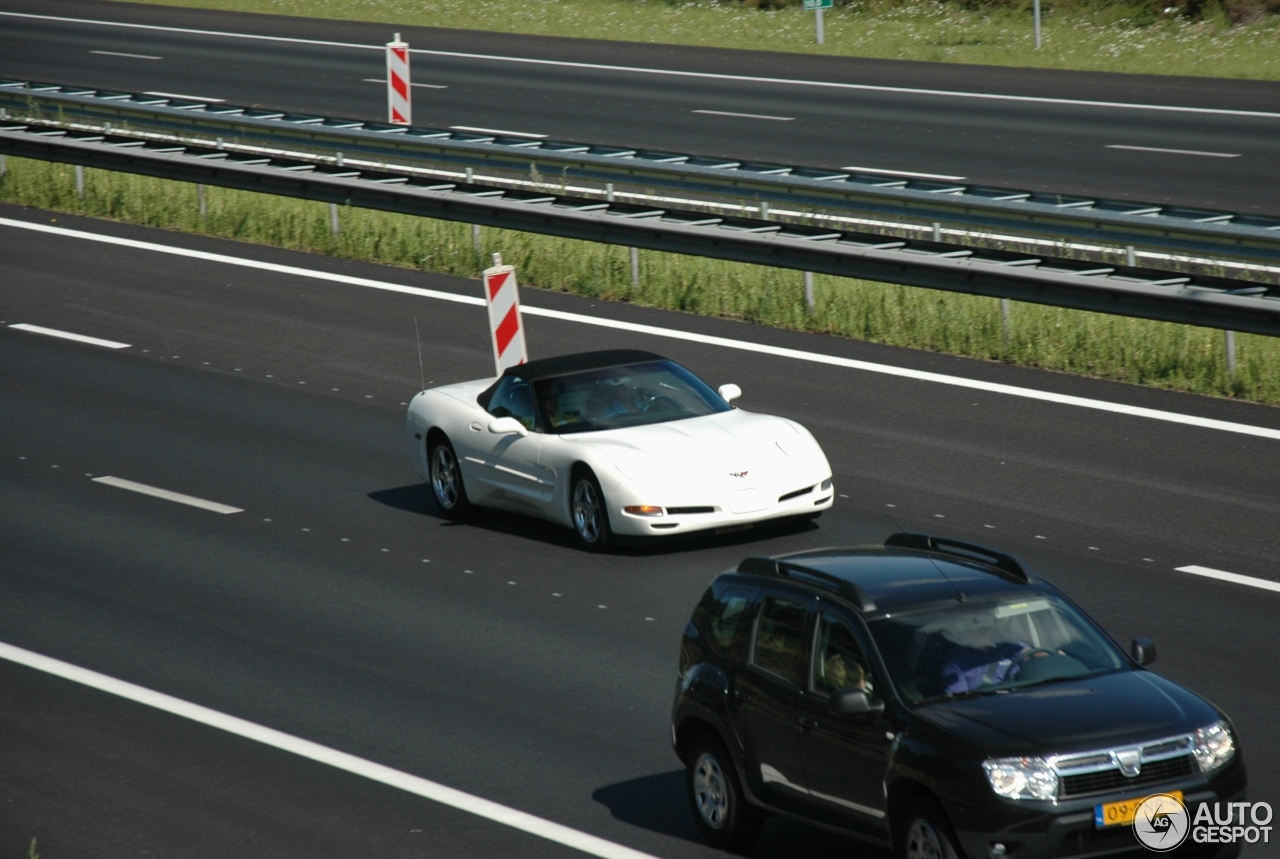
(564, 365)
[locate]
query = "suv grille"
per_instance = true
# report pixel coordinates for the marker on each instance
(1113, 779)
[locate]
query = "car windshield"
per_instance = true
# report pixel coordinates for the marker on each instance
(978, 648)
(627, 396)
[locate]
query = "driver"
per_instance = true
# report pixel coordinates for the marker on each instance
(982, 661)
(551, 395)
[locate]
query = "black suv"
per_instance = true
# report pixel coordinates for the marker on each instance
(933, 696)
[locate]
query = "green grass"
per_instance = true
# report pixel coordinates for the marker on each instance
(1120, 36)
(1110, 347)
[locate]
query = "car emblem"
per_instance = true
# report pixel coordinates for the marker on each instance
(1130, 761)
(737, 474)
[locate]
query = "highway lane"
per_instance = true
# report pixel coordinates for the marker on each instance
(1057, 146)
(548, 703)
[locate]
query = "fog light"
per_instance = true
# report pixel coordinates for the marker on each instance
(643, 510)
(996, 849)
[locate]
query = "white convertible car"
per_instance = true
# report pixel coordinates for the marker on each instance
(611, 443)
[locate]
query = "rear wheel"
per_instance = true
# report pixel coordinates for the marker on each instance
(927, 834)
(446, 480)
(722, 814)
(589, 514)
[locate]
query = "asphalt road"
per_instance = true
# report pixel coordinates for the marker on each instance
(491, 656)
(1040, 140)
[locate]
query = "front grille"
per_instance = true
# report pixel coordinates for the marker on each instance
(1112, 779)
(676, 511)
(1086, 841)
(795, 494)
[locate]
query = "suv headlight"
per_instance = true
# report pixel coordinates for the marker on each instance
(1022, 778)
(1214, 746)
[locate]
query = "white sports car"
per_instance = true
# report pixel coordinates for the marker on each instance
(611, 443)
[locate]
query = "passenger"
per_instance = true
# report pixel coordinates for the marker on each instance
(842, 673)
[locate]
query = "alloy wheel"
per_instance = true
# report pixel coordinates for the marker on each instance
(709, 791)
(586, 511)
(444, 477)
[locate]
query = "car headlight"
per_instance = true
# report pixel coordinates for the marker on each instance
(1214, 746)
(1022, 778)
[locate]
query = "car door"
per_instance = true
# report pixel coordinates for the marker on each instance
(506, 464)
(766, 699)
(845, 756)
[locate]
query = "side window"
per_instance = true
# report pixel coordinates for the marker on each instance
(838, 663)
(726, 616)
(513, 399)
(779, 644)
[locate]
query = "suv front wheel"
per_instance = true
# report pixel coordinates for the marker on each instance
(723, 816)
(927, 834)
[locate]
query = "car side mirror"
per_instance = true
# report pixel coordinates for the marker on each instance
(855, 702)
(1143, 650)
(729, 392)
(507, 426)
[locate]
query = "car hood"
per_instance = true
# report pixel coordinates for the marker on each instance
(1074, 715)
(736, 448)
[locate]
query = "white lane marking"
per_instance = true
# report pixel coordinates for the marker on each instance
(188, 97)
(655, 331)
(384, 80)
(669, 72)
(130, 56)
(746, 115)
(497, 131)
(1234, 578)
(431, 790)
(1174, 151)
(67, 335)
(904, 173)
(178, 497)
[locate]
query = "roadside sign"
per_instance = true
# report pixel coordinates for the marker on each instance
(399, 107)
(810, 5)
(505, 324)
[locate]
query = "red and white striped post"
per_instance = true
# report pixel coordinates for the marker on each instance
(399, 103)
(505, 324)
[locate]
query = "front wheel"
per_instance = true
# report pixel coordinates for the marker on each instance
(446, 481)
(722, 814)
(927, 834)
(589, 514)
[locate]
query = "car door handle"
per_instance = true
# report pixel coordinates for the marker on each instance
(476, 426)
(740, 696)
(807, 724)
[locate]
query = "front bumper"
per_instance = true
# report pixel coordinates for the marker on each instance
(762, 505)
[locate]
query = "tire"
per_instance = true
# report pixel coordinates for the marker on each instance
(926, 834)
(588, 513)
(446, 480)
(719, 808)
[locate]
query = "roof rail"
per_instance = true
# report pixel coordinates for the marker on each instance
(780, 569)
(1010, 566)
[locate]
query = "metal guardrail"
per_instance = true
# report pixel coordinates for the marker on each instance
(1196, 300)
(1179, 230)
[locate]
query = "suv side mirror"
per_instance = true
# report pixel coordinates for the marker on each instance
(729, 392)
(855, 702)
(1143, 650)
(507, 426)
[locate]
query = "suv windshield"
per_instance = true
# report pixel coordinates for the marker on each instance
(625, 397)
(975, 648)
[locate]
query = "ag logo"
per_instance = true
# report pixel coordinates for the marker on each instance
(1161, 823)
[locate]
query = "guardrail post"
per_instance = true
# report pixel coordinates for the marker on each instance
(333, 218)
(1036, 5)
(764, 210)
(4, 166)
(1231, 352)
(200, 202)
(1130, 258)
(475, 237)
(808, 292)
(79, 180)
(937, 231)
(635, 267)
(1006, 326)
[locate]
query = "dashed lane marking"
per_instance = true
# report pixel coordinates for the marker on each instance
(688, 336)
(187, 97)
(130, 56)
(1234, 578)
(177, 497)
(425, 788)
(476, 130)
(746, 115)
(67, 335)
(1174, 151)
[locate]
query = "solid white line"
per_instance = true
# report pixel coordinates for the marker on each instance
(904, 173)
(1234, 578)
(497, 131)
(1174, 151)
(384, 80)
(67, 335)
(746, 115)
(655, 331)
(398, 779)
(669, 72)
(188, 97)
(130, 56)
(178, 497)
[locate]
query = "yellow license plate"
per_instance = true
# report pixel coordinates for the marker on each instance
(1121, 813)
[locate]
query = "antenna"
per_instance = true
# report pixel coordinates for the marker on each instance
(422, 375)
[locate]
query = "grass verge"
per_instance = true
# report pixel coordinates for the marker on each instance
(1198, 37)
(1159, 354)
